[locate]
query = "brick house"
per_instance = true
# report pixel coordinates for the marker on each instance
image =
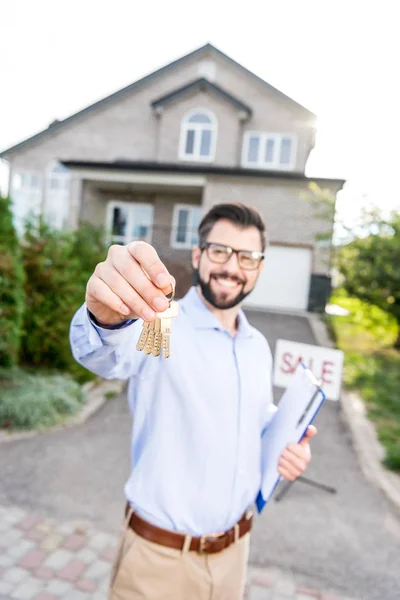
(149, 160)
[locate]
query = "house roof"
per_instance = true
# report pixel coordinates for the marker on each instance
(203, 169)
(201, 85)
(207, 48)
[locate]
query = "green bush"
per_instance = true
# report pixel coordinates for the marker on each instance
(12, 298)
(372, 366)
(57, 266)
(32, 401)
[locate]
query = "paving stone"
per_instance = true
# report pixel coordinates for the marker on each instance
(27, 522)
(35, 535)
(86, 585)
(285, 588)
(58, 559)
(44, 527)
(306, 593)
(12, 514)
(15, 575)
(51, 542)
(11, 536)
(32, 559)
(86, 554)
(100, 541)
(98, 570)
(44, 573)
(58, 587)
(260, 593)
(5, 588)
(6, 561)
(306, 596)
(18, 549)
(77, 595)
(74, 542)
(46, 596)
(99, 596)
(28, 590)
(73, 570)
(109, 553)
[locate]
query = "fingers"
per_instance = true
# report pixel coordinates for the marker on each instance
(311, 432)
(101, 292)
(128, 296)
(134, 273)
(132, 281)
(150, 262)
(293, 461)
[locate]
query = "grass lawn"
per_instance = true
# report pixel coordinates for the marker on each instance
(371, 366)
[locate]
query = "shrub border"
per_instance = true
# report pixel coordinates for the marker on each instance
(96, 392)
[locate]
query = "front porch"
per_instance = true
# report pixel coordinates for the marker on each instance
(163, 211)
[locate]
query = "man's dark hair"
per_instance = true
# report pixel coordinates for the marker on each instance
(238, 214)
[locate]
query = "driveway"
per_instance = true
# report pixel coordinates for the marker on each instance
(349, 541)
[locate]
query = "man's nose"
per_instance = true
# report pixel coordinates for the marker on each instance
(233, 262)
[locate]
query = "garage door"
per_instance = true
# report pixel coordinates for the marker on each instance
(285, 280)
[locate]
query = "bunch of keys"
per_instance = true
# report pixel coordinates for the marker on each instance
(155, 337)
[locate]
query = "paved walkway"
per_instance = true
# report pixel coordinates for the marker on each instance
(348, 542)
(44, 559)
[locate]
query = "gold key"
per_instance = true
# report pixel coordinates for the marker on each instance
(150, 339)
(155, 335)
(143, 336)
(157, 338)
(166, 319)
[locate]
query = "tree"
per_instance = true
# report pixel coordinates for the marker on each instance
(12, 297)
(371, 266)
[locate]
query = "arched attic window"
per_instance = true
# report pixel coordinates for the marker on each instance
(198, 136)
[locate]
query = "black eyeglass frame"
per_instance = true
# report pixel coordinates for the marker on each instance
(259, 255)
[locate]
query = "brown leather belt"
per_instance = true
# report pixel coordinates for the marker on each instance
(206, 544)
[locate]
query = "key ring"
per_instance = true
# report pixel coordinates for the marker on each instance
(172, 293)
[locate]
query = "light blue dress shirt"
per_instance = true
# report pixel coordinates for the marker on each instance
(198, 416)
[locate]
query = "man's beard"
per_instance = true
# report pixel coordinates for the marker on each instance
(211, 297)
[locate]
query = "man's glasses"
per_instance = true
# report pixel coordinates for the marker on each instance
(218, 253)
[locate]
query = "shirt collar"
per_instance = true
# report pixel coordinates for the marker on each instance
(202, 317)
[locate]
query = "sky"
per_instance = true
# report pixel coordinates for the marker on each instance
(338, 59)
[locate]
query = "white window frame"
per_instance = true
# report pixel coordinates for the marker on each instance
(264, 137)
(175, 219)
(198, 127)
(129, 226)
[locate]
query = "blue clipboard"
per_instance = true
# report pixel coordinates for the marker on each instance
(297, 409)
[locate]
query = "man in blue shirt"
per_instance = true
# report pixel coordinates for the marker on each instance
(198, 416)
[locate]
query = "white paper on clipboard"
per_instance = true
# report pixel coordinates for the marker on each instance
(297, 408)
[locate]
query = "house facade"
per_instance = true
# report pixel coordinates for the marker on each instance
(148, 161)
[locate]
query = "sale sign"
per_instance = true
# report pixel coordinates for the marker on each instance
(325, 364)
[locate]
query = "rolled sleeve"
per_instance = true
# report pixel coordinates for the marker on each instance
(110, 353)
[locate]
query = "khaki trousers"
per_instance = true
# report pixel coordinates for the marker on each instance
(144, 570)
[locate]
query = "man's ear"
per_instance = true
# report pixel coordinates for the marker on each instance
(196, 253)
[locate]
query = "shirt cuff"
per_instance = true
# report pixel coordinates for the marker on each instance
(122, 325)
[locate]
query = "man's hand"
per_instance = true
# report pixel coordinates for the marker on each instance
(132, 282)
(295, 458)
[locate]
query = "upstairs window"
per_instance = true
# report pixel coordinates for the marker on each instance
(198, 136)
(268, 151)
(129, 221)
(185, 221)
